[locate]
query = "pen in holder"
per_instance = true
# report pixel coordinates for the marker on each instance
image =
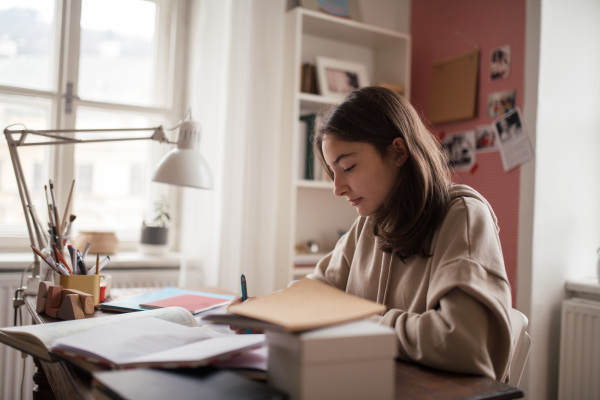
(86, 283)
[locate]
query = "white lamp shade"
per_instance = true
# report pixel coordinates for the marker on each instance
(184, 167)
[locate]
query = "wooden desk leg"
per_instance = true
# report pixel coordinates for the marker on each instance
(42, 391)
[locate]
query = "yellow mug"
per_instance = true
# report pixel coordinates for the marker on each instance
(85, 283)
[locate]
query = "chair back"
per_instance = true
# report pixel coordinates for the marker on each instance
(521, 344)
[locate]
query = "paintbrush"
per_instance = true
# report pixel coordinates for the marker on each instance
(64, 218)
(67, 229)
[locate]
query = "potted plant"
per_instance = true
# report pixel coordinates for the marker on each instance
(156, 231)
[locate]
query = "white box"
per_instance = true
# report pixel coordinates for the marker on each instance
(348, 361)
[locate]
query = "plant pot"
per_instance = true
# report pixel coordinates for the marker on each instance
(154, 235)
(154, 240)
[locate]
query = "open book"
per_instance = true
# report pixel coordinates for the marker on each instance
(162, 338)
(306, 304)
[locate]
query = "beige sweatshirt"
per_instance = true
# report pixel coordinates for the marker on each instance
(450, 311)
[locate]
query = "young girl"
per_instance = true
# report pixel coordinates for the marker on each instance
(424, 247)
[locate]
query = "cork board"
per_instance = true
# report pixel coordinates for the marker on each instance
(454, 88)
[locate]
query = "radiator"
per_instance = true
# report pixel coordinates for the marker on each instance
(11, 362)
(579, 376)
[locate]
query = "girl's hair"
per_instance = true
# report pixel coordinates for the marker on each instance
(416, 206)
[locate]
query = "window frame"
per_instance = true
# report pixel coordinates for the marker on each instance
(171, 39)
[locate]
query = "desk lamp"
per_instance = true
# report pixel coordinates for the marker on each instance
(182, 166)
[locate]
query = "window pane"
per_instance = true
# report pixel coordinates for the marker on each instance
(112, 181)
(118, 60)
(35, 114)
(27, 43)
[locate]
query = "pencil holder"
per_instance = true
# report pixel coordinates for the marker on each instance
(86, 283)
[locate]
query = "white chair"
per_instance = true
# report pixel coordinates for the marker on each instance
(521, 344)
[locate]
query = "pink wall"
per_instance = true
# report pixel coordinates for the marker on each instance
(487, 24)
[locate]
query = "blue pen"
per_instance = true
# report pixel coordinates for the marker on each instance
(245, 296)
(244, 289)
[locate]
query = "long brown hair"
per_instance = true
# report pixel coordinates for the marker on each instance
(416, 206)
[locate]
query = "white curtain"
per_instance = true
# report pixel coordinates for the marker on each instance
(235, 89)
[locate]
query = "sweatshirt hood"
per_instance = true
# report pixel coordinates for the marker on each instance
(458, 191)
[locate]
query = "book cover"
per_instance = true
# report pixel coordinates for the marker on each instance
(192, 302)
(206, 383)
(133, 303)
(307, 304)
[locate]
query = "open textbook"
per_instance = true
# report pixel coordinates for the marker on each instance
(306, 304)
(161, 338)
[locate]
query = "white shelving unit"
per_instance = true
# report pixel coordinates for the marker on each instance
(308, 209)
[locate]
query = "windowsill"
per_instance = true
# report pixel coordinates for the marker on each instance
(17, 262)
(584, 288)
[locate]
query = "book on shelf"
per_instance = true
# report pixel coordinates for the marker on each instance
(308, 80)
(301, 148)
(134, 303)
(308, 135)
(309, 161)
(304, 305)
(161, 338)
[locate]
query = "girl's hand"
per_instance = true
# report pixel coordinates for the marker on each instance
(241, 330)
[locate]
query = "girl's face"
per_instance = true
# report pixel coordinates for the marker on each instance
(361, 175)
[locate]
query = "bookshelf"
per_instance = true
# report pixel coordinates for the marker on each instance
(308, 210)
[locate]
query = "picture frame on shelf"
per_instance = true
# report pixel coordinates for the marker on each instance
(338, 77)
(348, 9)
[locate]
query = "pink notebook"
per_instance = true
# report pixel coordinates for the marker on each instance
(190, 302)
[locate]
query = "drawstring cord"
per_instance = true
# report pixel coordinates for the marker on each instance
(388, 279)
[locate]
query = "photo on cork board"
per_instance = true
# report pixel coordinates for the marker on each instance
(460, 148)
(500, 63)
(485, 139)
(499, 103)
(513, 141)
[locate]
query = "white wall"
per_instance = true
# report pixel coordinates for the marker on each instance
(560, 196)
(388, 14)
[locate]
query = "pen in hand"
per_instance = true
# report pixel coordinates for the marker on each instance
(244, 289)
(245, 296)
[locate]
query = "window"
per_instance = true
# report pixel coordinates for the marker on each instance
(84, 178)
(118, 71)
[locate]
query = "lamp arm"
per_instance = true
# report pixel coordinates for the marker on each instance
(34, 230)
(157, 135)
(25, 202)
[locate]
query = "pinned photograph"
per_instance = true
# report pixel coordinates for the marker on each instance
(499, 103)
(460, 148)
(513, 141)
(500, 63)
(485, 139)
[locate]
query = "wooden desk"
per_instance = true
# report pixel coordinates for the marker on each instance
(412, 381)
